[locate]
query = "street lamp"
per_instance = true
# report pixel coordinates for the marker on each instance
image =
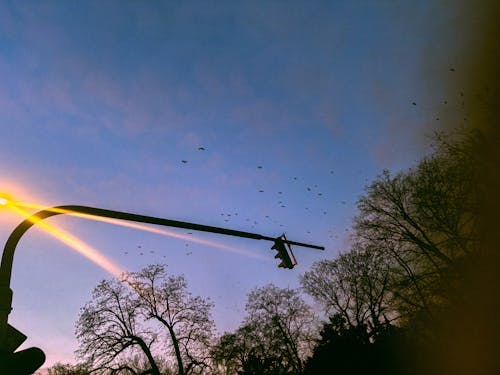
(10, 338)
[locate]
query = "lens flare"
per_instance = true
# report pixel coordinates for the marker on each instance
(81, 247)
(168, 233)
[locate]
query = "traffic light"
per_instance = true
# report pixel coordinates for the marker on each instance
(280, 245)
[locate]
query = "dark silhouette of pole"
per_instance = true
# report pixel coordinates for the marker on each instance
(15, 236)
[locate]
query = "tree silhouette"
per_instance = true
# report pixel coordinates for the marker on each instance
(283, 321)
(164, 299)
(244, 352)
(415, 238)
(274, 338)
(109, 330)
(341, 349)
(122, 329)
(424, 223)
(356, 286)
(345, 349)
(234, 351)
(67, 369)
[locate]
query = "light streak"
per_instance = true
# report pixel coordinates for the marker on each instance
(151, 229)
(81, 247)
(169, 233)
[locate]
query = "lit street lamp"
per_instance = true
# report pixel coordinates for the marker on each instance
(29, 360)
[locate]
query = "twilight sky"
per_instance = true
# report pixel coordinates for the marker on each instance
(296, 105)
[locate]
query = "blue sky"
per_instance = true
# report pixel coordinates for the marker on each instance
(101, 101)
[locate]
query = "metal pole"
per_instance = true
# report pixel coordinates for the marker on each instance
(15, 236)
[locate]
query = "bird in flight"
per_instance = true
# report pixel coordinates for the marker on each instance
(201, 148)
(184, 161)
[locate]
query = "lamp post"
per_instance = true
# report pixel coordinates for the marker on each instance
(10, 338)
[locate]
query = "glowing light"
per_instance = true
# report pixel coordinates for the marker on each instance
(81, 247)
(5, 200)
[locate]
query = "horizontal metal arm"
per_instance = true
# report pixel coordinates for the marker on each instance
(8, 253)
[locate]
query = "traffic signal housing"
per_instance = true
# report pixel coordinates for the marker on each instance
(284, 251)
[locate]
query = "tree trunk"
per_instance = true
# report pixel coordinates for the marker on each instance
(175, 342)
(154, 367)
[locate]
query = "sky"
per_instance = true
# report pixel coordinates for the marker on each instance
(262, 116)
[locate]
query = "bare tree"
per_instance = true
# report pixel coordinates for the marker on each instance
(68, 369)
(235, 352)
(282, 322)
(274, 338)
(356, 285)
(110, 332)
(164, 299)
(423, 220)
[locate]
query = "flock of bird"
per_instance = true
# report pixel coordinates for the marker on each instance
(313, 191)
(227, 216)
(281, 204)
